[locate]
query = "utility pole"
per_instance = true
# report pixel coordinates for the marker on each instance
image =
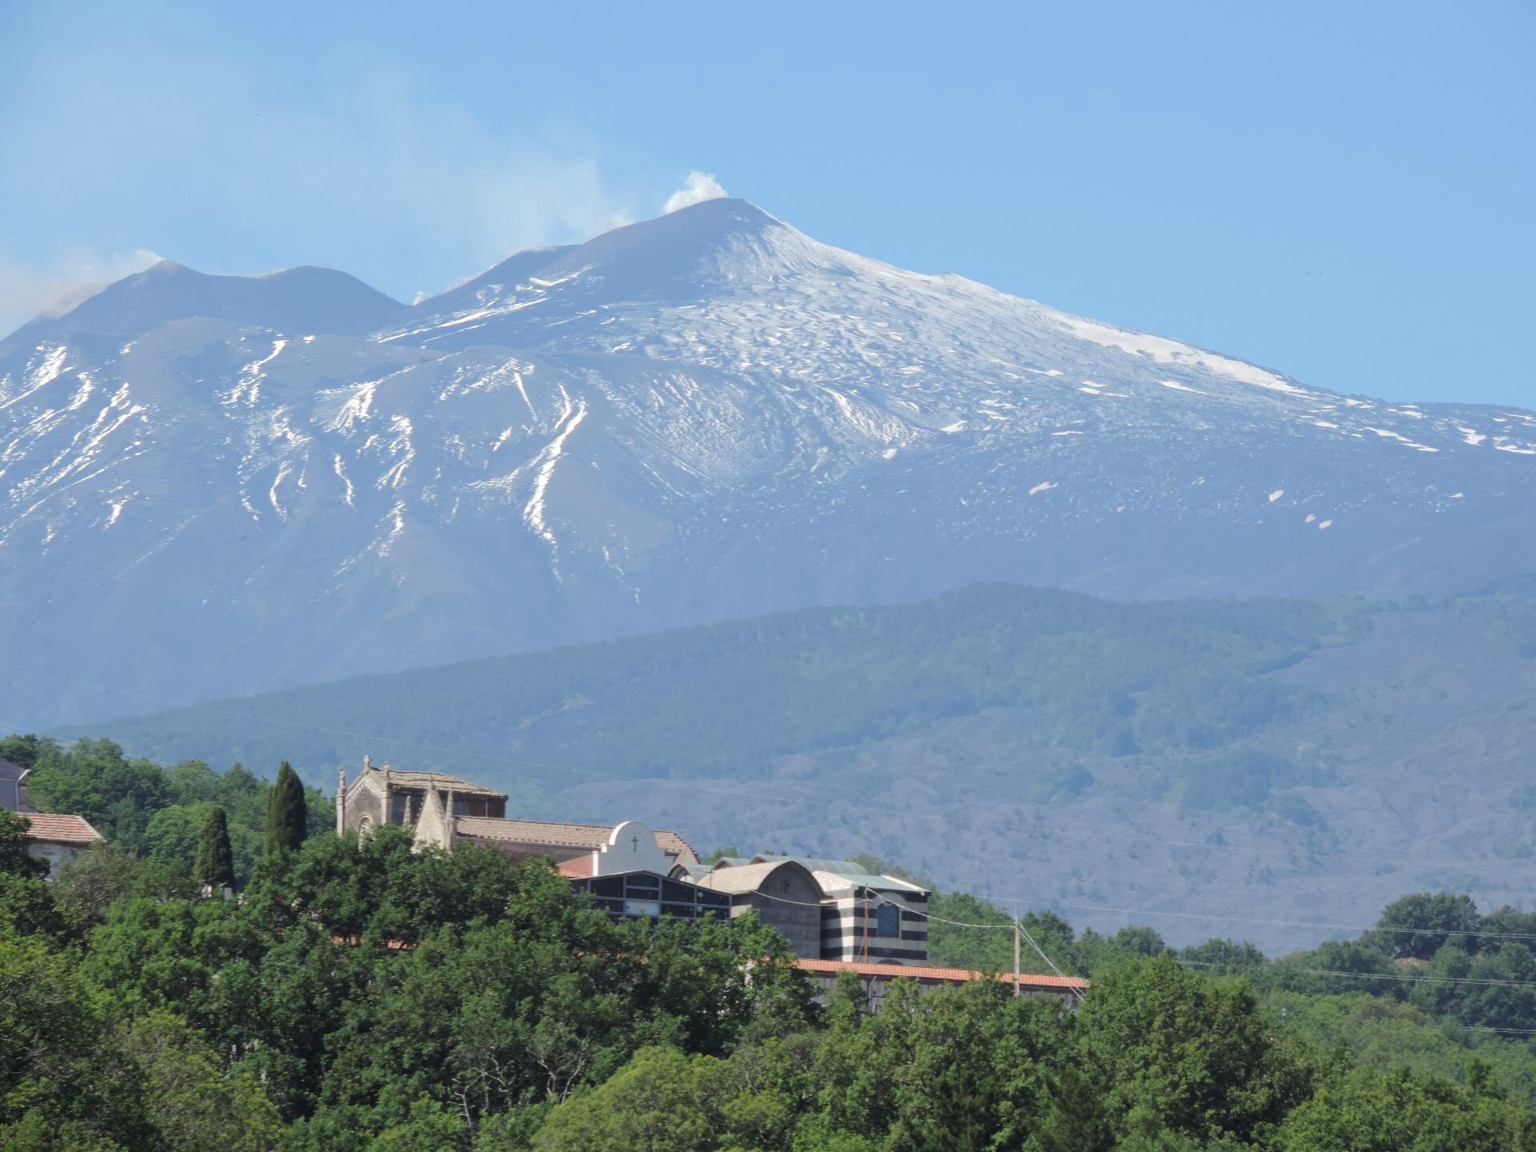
(1016, 956)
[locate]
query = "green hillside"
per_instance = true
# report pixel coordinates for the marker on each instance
(726, 700)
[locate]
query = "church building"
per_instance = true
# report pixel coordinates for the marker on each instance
(448, 811)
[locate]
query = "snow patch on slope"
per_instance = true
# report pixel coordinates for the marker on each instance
(1388, 434)
(43, 374)
(534, 511)
(247, 388)
(1164, 351)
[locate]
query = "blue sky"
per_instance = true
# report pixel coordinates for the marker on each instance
(1341, 192)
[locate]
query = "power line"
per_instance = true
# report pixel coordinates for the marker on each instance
(959, 923)
(1016, 926)
(928, 916)
(1019, 928)
(1401, 976)
(1404, 977)
(1047, 903)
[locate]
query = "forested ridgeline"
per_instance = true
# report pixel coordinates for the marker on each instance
(1233, 705)
(1103, 676)
(365, 996)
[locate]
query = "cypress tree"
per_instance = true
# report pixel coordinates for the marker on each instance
(287, 817)
(215, 860)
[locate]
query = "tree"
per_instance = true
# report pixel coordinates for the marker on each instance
(1094, 953)
(1337, 966)
(93, 779)
(58, 1068)
(1139, 941)
(87, 886)
(193, 780)
(13, 847)
(652, 1104)
(23, 751)
(1076, 1120)
(287, 818)
(431, 1128)
(1186, 1054)
(1372, 1111)
(193, 1105)
(1419, 924)
(215, 859)
(971, 1078)
(27, 908)
(1224, 957)
(174, 833)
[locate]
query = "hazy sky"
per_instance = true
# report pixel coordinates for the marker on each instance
(1343, 192)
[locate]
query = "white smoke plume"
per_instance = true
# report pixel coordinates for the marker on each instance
(700, 186)
(32, 288)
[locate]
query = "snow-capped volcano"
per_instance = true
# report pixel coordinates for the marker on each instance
(217, 484)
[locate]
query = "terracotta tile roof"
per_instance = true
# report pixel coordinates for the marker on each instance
(438, 780)
(1032, 981)
(553, 834)
(576, 867)
(55, 828)
(954, 975)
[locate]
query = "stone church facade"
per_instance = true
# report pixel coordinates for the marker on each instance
(447, 811)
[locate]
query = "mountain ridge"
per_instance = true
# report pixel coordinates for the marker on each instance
(702, 417)
(168, 291)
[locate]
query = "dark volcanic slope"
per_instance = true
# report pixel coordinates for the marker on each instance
(220, 484)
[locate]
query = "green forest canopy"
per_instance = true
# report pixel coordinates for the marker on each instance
(152, 811)
(365, 996)
(134, 1014)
